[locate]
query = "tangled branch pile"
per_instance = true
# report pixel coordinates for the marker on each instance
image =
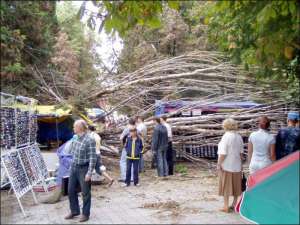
(205, 77)
(212, 80)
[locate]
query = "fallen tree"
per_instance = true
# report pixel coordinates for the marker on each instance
(210, 77)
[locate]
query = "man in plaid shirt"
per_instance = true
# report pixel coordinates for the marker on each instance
(83, 164)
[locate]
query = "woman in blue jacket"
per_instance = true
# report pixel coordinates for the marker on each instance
(134, 148)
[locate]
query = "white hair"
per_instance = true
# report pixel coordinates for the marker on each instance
(82, 124)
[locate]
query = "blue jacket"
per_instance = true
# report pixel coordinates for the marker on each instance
(160, 138)
(134, 149)
(287, 141)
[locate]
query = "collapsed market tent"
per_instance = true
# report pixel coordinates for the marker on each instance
(55, 124)
(272, 195)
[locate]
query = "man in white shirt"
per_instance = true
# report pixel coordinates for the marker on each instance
(170, 153)
(261, 146)
(123, 159)
(142, 130)
(99, 168)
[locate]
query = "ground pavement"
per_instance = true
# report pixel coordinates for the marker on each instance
(190, 199)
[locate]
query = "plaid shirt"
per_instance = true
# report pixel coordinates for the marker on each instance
(84, 152)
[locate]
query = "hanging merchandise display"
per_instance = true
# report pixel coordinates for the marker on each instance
(7, 127)
(21, 157)
(22, 127)
(16, 173)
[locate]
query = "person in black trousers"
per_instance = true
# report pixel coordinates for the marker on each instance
(134, 148)
(170, 152)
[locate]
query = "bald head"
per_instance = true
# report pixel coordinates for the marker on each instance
(80, 126)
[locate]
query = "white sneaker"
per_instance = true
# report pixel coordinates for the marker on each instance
(137, 185)
(124, 185)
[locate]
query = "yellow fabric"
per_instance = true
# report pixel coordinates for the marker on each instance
(52, 120)
(50, 109)
(132, 148)
(132, 158)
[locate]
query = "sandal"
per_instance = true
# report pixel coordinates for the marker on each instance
(231, 208)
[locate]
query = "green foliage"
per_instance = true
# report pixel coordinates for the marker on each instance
(180, 168)
(27, 35)
(122, 16)
(82, 41)
(261, 35)
(15, 68)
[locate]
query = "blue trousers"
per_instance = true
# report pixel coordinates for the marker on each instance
(123, 162)
(77, 176)
(135, 164)
(141, 164)
(162, 164)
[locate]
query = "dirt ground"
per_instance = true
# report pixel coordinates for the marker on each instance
(180, 199)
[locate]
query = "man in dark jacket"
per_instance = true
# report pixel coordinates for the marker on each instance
(159, 147)
(288, 139)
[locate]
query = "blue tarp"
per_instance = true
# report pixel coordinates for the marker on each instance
(49, 132)
(163, 107)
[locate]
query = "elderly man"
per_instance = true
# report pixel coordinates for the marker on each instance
(288, 139)
(83, 164)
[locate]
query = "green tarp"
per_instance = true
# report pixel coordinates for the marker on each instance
(274, 200)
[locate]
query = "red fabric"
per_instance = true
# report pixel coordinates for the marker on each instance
(264, 173)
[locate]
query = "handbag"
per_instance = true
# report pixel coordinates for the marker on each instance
(244, 182)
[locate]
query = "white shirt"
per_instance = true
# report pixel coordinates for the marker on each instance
(232, 146)
(169, 129)
(97, 140)
(142, 129)
(261, 141)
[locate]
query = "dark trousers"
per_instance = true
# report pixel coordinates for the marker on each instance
(135, 164)
(170, 158)
(98, 165)
(77, 176)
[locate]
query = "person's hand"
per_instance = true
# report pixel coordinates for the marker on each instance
(219, 167)
(87, 178)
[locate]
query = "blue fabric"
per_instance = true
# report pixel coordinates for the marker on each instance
(138, 147)
(123, 164)
(47, 131)
(77, 176)
(141, 164)
(293, 115)
(132, 164)
(287, 141)
(162, 164)
(161, 107)
(65, 161)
